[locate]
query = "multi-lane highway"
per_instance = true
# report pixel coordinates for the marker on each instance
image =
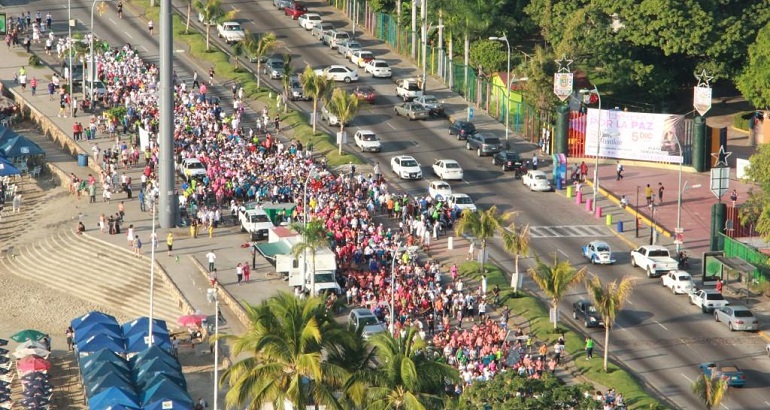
(659, 336)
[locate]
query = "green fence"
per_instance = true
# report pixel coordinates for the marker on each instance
(750, 254)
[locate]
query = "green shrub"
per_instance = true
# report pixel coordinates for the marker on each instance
(34, 60)
(741, 120)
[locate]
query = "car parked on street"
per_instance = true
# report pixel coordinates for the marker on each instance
(462, 129)
(320, 28)
(347, 48)
(679, 281)
(329, 116)
(281, 4)
(447, 169)
(583, 310)
(508, 160)
(737, 317)
(411, 111)
(296, 92)
(378, 68)
(432, 104)
(308, 20)
(295, 10)
(367, 140)
(338, 73)
(731, 373)
(484, 144)
(536, 181)
(406, 167)
(361, 57)
(439, 189)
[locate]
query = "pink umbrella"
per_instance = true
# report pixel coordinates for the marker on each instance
(190, 320)
(33, 363)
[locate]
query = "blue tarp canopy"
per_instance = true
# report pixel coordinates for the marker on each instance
(137, 342)
(146, 369)
(169, 405)
(104, 329)
(141, 325)
(165, 390)
(153, 352)
(99, 342)
(6, 168)
(7, 134)
(103, 369)
(151, 379)
(96, 385)
(92, 317)
(112, 396)
(20, 146)
(102, 356)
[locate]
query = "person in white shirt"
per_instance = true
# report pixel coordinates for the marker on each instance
(211, 257)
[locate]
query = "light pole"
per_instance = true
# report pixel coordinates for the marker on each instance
(598, 141)
(312, 174)
(214, 297)
(392, 324)
(508, 82)
(69, 53)
(92, 62)
(152, 274)
(682, 190)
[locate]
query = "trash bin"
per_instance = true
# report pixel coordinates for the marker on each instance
(82, 160)
(620, 226)
(570, 188)
(608, 219)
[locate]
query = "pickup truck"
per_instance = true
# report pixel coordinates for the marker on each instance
(294, 10)
(255, 222)
(231, 31)
(653, 259)
(408, 89)
(707, 300)
(432, 104)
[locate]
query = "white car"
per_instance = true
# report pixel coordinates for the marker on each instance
(367, 140)
(378, 68)
(536, 181)
(360, 57)
(364, 321)
(679, 281)
(191, 168)
(211, 22)
(439, 190)
(329, 116)
(598, 252)
(308, 20)
(406, 167)
(447, 169)
(338, 73)
(349, 47)
(461, 202)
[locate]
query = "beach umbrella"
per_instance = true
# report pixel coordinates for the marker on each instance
(30, 344)
(22, 353)
(111, 397)
(3, 351)
(140, 325)
(99, 342)
(92, 317)
(7, 169)
(3, 342)
(20, 146)
(28, 334)
(35, 376)
(4, 359)
(191, 320)
(33, 363)
(35, 402)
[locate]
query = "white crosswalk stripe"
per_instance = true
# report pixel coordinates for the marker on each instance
(569, 231)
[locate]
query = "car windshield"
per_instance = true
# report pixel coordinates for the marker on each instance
(324, 278)
(381, 65)
(512, 156)
(714, 296)
(367, 55)
(452, 165)
(602, 248)
(368, 137)
(540, 177)
(494, 140)
(662, 253)
(409, 163)
(684, 278)
(591, 309)
(195, 165)
(443, 186)
(258, 218)
(463, 200)
(743, 313)
(413, 87)
(431, 100)
(277, 65)
(368, 320)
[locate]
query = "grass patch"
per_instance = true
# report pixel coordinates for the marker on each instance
(224, 67)
(535, 312)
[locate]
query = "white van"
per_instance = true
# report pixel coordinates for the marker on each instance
(325, 270)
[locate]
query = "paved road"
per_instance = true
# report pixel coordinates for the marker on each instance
(662, 340)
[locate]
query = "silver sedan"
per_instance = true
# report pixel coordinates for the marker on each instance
(737, 318)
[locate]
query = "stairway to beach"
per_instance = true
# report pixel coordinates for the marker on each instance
(94, 271)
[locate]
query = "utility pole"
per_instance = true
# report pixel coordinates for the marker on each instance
(414, 29)
(168, 207)
(424, 35)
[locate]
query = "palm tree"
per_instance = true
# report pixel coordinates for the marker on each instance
(212, 11)
(284, 342)
(345, 106)
(288, 72)
(710, 389)
(608, 301)
(482, 225)
(266, 43)
(237, 52)
(357, 357)
(408, 375)
(555, 280)
(516, 242)
(314, 86)
(313, 237)
(189, 12)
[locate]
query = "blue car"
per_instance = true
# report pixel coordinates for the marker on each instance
(731, 373)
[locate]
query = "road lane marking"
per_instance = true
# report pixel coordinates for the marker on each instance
(389, 125)
(725, 407)
(568, 231)
(562, 252)
(145, 49)
(659, 324)
(233, 7)
(688, 379)
(113, 21)
(129, 35)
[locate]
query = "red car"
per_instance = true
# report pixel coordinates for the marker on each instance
(294, 10)
(364, 94)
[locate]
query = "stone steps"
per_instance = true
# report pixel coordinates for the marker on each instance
(94, 271)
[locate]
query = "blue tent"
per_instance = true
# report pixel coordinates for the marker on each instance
(102, 356)
(101, 370)
(6, 168)
(7, 134)
(112, 396)
(151, 379)
(20, 146)
(98, 329)
(169, 405)
(147, 369)
(140, 325)
(165, 390)
(138, 344)
(99, 342)
(92, 317)
(121, 407)
(153, 352)
(96, 385)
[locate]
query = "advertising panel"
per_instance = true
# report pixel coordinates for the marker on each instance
(633, 135)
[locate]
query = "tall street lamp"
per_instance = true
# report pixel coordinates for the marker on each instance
(214, 297)
(311, 175)
(682, 190)
(598, 140)
(152, 273)
(69, 53)
(508, 82)
(92, 62)
(396, 254)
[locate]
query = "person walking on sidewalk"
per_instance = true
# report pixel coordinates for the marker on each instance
(33, 85)
(170, 242)
(620, 171)
(212, 257)
(660, 193)
(239, 273)
(648, 194)
(150, 26)
(589, 348)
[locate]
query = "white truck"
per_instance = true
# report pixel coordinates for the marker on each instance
(707, 300)
(324, 268)
(408, 89)
(231, 31)
(653, 259)
(255, 221)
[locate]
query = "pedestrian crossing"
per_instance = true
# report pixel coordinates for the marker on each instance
(568, 231)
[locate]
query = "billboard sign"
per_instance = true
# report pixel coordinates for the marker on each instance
(633, 135)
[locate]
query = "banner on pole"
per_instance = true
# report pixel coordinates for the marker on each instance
(701, 99)
(562, 85)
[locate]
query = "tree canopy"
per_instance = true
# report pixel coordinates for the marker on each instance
(509, 391)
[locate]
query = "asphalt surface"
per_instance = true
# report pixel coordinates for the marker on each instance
(658, 336)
